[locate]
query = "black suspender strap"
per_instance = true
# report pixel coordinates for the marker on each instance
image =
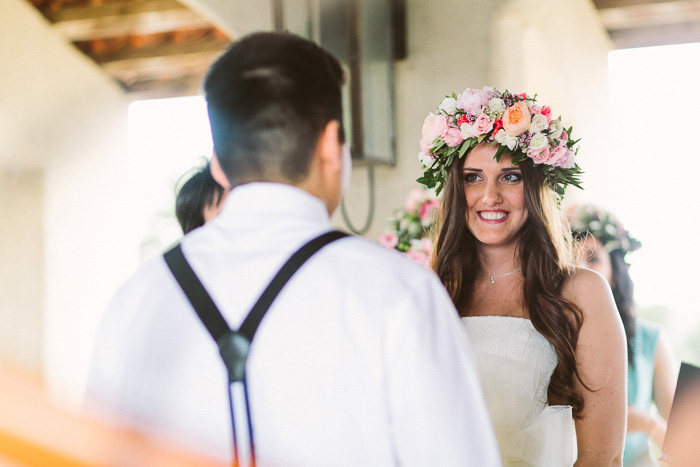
(252, 321)
(235, 345)
(196, 293)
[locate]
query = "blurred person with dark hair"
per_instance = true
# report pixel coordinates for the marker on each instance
(198, 200)
(361, 359)
(651, 371)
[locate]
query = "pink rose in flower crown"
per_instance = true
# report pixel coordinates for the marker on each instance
(425, 147)
(472, 101)
(434, 126)
(516, 119)
(389, 240)
(482, 125)
(547, 112)
(453, 137)
(540, 156)
(565, 158)
(564, 138)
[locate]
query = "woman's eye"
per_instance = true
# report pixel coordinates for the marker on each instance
(471, 177)
(512, 177)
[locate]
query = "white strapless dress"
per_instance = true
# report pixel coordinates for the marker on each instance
(515, 363)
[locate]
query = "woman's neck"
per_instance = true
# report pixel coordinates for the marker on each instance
(498, 259)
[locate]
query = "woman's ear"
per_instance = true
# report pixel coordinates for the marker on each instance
(218, 173)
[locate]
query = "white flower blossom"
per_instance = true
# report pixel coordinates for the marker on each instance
(497, 105)
(426, 160)
(538, 141)
(504, 139)
(448, 106)
(555, 128)
(538, 124)
(467, 131)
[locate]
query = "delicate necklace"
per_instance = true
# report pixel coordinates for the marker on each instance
(499, 275)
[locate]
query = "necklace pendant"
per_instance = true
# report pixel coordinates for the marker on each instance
(492, 281)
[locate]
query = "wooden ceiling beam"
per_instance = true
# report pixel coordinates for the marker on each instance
(68, 12)
(147, 23)
(603, 4)
(123, 18)
(656, 35)
(651, 15)
(160, 68)
(209, 45)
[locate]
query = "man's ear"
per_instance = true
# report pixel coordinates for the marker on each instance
(329, 147)
(218, 173)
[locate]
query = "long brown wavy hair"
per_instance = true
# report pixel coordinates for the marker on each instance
(545, 250)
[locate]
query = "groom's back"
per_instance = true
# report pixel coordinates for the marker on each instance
(361, 360)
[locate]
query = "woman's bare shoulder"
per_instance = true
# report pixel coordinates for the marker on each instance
(589, 290)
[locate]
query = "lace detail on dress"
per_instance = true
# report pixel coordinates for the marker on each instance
(515, 363)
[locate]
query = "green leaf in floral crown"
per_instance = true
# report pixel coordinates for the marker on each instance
(518, 158)
(500, 152)
(463, 149)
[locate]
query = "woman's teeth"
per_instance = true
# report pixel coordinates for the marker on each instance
(493, 216)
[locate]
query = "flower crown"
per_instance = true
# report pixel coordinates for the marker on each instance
(523, 129)
(409, 228)
(602, 225)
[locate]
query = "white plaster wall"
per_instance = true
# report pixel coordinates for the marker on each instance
(559, 50)
(21, 267)
(449, 49)
(59, 112)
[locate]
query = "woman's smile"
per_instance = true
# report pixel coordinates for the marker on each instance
(493, 216)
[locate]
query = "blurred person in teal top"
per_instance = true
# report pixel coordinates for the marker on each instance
(651, 370)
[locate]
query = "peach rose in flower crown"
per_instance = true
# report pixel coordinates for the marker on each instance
(516, 119)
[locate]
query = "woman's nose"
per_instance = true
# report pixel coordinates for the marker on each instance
(492, 194)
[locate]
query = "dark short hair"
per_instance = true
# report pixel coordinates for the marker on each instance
(198, 192)
(269, 97)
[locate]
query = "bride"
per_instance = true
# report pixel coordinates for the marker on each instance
(548, 340)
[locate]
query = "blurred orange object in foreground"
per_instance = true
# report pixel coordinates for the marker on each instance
(35, 432)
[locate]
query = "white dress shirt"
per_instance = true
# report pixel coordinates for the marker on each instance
(360, 361)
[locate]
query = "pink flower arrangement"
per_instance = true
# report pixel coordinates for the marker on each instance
(522, 129)
(409, 228)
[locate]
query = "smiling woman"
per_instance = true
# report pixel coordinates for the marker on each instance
(549, 344)
(495, 198)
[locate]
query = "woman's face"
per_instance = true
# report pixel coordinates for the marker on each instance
(595, 256)
(495, 195)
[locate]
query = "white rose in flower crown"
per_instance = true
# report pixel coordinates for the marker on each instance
(467, 131)
(555, 128)
(448, 106)
(497, 105)
(504, 139)
(538, 124)
(425, 159)
(537, 142)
